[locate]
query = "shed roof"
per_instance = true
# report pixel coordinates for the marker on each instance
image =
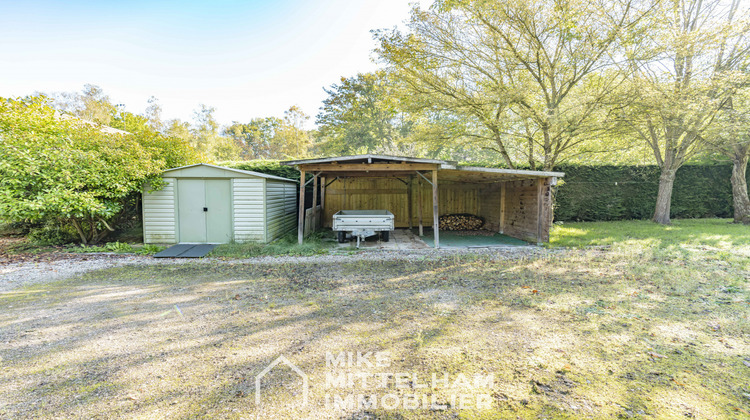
(382, 165)
(368, 158)
(232, 170)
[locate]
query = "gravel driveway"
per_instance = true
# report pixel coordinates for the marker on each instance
(19, 274)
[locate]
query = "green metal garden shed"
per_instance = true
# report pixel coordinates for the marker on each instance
(205, 203)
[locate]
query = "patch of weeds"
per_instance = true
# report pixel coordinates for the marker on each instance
(313, 245)
(600, 307)
(51, 234)
(24, 246)
(148, 249)
(117, 247)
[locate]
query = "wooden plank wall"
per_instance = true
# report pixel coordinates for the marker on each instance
(312, 220)
(392, 194)
(528, 209)
(523, 211)
(490, 206)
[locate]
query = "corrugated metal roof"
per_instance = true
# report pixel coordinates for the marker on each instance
(240, 171)
(503, 171)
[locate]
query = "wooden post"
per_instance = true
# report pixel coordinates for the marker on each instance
(315, 191)
(503, 187)
(322, 192)
(315, 214)
(419, 205)
(409, 196)
(322, 199)
(301, 216)
(539, 211)
(435, 217)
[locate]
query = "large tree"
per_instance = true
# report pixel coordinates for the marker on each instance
(90, 104)
(682, 76)
(272, 137)
(530, 75)
(360, 114)
(730, 136)
(255, 137)
(292, 139)
(733, 125)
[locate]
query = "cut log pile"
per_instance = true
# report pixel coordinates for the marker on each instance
(462, 221)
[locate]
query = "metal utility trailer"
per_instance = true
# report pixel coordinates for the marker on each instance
(363, 223)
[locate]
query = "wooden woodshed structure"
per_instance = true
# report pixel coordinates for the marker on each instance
(418, 191)
(205, 203)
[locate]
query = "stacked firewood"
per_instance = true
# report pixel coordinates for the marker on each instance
(460, 222)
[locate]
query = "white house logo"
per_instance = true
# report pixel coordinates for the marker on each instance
(298, 371)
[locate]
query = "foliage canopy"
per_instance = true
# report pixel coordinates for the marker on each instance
(73, 172)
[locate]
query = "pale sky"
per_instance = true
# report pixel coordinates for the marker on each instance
(245, 58)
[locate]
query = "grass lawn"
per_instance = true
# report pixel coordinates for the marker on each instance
(654, 325)
(719, 233)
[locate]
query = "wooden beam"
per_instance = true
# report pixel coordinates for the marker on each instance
(435, 217)
(365, 167)
(503, 188)
(419, 205)
(301, 215)
(365, 174)
(371, 191)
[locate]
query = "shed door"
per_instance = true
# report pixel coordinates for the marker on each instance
(204, 210)
(218, 216)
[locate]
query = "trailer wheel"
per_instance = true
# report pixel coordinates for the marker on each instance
(385, 235)
(342, 236)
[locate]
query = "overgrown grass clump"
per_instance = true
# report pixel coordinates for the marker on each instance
(117, 247)
(318, 243)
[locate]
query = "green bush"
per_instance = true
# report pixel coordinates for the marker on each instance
(600, 193)
(51, 235)
(65, 171)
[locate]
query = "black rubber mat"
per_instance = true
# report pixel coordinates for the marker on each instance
(186, 251)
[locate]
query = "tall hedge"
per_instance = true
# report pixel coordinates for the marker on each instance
(270, 167)
(590, 193)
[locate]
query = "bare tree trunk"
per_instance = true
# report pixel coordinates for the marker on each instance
(664, 197)
(739, 186)
(79, 230)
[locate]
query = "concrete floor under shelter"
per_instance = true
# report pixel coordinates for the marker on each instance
(405, 239)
